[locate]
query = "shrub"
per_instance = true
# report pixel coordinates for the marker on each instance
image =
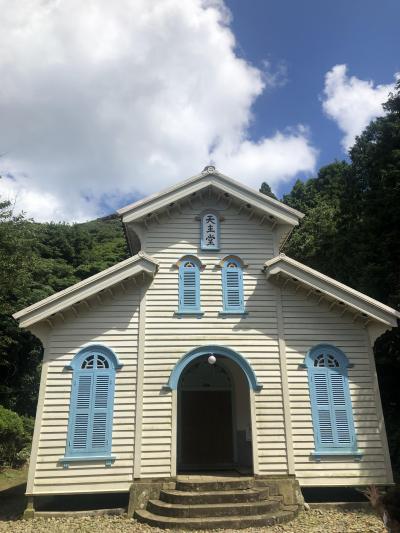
(15, 438)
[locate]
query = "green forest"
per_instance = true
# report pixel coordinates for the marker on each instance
(350, 232)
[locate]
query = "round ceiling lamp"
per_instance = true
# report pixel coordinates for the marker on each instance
(212, 359)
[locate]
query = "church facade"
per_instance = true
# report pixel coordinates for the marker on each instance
(207, 350)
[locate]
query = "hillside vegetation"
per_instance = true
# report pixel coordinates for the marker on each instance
(350, 232)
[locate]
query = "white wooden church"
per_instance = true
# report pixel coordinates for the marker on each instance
(208, 352)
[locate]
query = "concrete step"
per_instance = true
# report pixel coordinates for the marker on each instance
(223, 496)
(91, 512)
(158, 507)
(216, 522)
(212, 483)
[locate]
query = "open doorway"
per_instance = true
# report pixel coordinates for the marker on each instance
(214, 425)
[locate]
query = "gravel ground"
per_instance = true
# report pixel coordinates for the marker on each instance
(314, 521)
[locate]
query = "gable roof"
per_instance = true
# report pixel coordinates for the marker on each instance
(84, 289)
(282, 213)
(285, 266)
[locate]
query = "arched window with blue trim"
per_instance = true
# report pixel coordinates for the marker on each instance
(330, 400)
(189, 285)
(232, 286)
(91, 405)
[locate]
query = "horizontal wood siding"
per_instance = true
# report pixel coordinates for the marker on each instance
(307, 323)
(113, 321)
(169, 337)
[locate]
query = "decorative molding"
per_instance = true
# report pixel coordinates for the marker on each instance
(285, 383)
(327, 454)
(217, 350)
(84, 351)
(319, 283)
(140, 263)
(202, 183)
(190, 257)
(67, 460)
(38, 426)
(210, 169)
(235, 258)
(137, 466)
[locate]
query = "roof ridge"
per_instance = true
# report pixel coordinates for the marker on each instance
(211, 176)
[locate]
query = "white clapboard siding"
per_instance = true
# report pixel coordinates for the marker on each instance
(307, 323)
(114, 323)
(168, 337)
(112, 320)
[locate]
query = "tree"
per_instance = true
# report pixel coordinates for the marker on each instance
(37, 260)
(314, 241)
(266, 189)
(351, 233)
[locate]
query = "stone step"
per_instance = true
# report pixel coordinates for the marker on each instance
(211, 483)
(216, 522)
(223, 496)
(158, 507)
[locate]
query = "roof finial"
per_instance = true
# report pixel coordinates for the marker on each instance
(210, 168)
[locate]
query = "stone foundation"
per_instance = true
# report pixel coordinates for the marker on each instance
(286, 486)
(143, 490)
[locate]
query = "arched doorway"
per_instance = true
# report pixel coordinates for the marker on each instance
(214, 411)
(205, 417)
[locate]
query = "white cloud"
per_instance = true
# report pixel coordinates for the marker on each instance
(100, 101)
(276, 159)
(275, 75)
(352, 103)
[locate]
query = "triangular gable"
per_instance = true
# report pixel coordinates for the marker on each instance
(140, 263)
(286, 267)
(210, 177)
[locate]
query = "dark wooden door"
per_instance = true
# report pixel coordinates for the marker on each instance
(206, 431)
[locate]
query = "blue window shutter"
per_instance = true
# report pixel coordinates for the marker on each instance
(81, 412)
(232, 287)
(189, 288)
(323, 426)
(101, 411)
(330, 400)
(341, 409)
(91, 408)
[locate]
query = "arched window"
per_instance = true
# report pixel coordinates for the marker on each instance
(210, 230)
(189, 285)
(330, 400)
(91, 404)
(232, 286)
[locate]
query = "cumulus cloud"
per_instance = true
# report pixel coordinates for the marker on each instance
(102, 102)
(352, 103)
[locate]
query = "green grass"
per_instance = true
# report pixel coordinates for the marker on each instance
(12, 492)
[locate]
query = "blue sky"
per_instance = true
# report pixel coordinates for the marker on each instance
(310, 37)
(103, 103)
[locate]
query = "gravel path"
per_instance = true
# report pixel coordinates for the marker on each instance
(314, 521)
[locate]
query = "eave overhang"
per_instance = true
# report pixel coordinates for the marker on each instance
(133, 266)
(287, 268)
(210, 177)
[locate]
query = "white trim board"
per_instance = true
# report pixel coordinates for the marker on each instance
(285, 266)
(140, 263)
(282, 213)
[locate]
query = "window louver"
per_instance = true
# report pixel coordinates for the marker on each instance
(91, 408)
(189, 287)
(232, 287)
(331, 404)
